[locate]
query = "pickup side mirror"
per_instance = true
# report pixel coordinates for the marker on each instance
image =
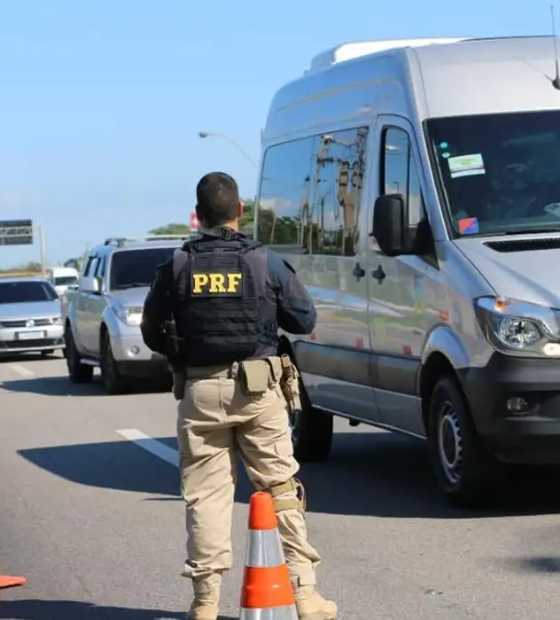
(390, 227)
(90, 284)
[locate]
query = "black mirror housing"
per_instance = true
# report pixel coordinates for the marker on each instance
(390, 224)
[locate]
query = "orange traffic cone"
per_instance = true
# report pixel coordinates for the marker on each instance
(9, 582)
(267, 590)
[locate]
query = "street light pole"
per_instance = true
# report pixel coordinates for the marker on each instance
(42, 249)
(207, 134)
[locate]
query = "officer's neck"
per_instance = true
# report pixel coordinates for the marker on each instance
(233, 225)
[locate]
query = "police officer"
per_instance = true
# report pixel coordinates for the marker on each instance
(227, 296)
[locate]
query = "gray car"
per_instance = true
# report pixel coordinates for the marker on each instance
(30, 316)
(102, 316)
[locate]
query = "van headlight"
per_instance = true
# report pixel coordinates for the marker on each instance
(519, 328)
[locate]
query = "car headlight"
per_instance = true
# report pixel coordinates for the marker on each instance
(519, 328)
(130, 316)
(57, 320)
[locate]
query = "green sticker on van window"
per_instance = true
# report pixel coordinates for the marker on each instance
(466, 165)
(443, 145)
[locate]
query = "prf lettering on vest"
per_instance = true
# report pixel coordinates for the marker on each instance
(222, 283)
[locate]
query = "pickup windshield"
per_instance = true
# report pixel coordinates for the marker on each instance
(26, 292)
(137, 268)
(499, 173)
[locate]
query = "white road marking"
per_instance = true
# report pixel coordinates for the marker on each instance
(21, 370)
(155, 447)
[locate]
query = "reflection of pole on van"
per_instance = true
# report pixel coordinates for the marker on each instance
(437, 307)
(62, 278)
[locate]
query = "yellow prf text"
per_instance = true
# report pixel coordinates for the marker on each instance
(216, 283)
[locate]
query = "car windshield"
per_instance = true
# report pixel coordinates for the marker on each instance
(499, 173)
(132, 268)
(65, 280)
(23, 292)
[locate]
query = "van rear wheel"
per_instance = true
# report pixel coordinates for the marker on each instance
(312, 432)
(465, 469)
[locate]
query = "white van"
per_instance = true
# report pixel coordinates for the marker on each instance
(62, 278)
(415, 188)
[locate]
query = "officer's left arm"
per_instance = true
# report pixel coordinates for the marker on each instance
(156, 312)
(296, 310)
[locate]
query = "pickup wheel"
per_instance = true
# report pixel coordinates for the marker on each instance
(113, 382)
(312, 431)
(78, 372)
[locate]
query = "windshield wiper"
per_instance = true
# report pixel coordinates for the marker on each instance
(132, 285)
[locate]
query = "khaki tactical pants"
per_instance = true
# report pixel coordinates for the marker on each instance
(216, 422)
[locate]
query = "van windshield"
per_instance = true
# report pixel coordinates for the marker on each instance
(499, 173)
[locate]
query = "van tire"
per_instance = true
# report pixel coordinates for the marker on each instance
(466, 471)
(312, 433)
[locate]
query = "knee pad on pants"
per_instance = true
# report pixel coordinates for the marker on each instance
(292, 503)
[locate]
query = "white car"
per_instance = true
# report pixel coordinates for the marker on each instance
(30, 316)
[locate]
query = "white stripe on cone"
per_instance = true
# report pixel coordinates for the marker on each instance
(264, 549)
(271, 613)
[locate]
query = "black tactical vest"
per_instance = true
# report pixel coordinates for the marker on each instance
(216, 301)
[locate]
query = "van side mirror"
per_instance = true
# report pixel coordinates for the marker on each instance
(390, 228)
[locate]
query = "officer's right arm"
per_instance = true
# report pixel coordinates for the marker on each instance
(296, 311)
(155, 312)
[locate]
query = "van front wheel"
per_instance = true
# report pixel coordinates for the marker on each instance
(466, 471)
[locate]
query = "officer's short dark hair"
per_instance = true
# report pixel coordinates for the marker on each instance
(217, 197)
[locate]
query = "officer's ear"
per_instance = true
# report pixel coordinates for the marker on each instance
(240, 209)
(198, 216)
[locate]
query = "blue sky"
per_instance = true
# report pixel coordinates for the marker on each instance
(102, 99)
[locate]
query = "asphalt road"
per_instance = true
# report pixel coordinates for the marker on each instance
(90, 514)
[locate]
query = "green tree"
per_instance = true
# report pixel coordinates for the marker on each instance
(247, 221)
(31, 267)
(171, 229)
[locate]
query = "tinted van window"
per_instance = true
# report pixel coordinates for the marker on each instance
(311, 193)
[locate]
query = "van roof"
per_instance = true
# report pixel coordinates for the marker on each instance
(356, 49)
(422, 78)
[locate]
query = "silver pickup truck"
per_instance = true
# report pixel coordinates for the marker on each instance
(101, 317)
